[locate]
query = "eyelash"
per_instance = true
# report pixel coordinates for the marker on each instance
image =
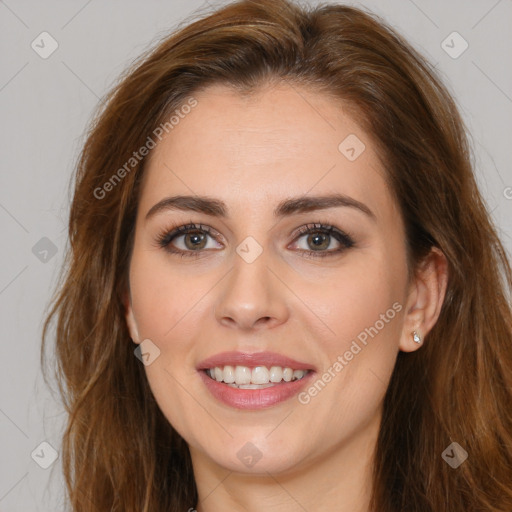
(164, 239)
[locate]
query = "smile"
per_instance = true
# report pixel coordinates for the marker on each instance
(259, 377)
(254, 380)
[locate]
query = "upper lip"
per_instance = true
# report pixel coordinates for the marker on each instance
(267, 359)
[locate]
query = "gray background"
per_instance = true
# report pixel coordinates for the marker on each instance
(45, 105)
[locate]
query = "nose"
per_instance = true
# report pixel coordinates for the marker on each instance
(252, 296)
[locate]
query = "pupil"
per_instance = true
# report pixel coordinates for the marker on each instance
(195, 237)
(319, 240)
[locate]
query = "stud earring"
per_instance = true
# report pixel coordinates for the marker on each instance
(416, 337)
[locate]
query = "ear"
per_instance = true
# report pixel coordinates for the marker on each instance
(425, 299)
(130, 318)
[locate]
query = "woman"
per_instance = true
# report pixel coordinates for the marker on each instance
(284, 290)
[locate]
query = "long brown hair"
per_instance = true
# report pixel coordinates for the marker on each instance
(119, 452)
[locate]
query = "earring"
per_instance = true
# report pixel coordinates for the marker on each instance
(416, 337)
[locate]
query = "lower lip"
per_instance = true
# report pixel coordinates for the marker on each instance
(255, 398)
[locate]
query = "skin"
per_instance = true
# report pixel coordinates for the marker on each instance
(252, 152)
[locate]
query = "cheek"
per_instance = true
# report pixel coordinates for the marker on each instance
(355, 296)
(362, 306)
(164, 299)
(167, 306)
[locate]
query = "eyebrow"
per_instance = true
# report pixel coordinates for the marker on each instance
(217, 208)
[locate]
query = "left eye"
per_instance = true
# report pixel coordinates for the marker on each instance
(318, 240)
(320, 237)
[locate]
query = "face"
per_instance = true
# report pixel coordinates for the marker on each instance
(305, 269)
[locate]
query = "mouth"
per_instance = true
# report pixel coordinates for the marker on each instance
(259, 377)
(254, 381)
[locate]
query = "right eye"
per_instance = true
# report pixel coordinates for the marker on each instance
(194, 239)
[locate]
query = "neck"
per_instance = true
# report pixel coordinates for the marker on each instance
(339, 479)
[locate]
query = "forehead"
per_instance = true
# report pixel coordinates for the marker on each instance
(280, 141)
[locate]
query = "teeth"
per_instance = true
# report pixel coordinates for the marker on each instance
(254, 386)
(229, 374)
(297, 374)
(258, 377)
(242, 375)
(276, 374)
